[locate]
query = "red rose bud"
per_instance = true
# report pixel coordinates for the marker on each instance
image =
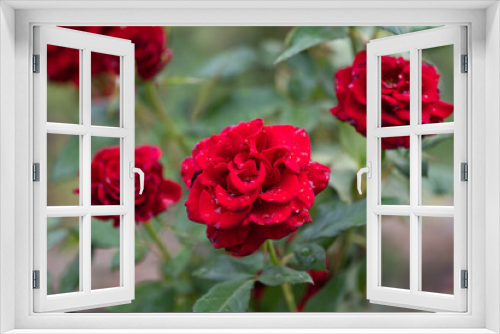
(251, 183)
(159, 193)
(350, 88)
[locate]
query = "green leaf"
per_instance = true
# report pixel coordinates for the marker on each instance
(276, 275)
(225, 267)
(353, 142)
(56, 236)
(104, 235)
(303, 38)
(396, 30)
(231, 296)
(150, 296)
(429, 142)
(229, 64)
(66, 163)
(332, 220)
(176, 265)
(71, 276)
(330, 296)
(311, 256)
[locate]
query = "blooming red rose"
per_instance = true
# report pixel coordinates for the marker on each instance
(251, 183)
(159, 193)
(151, 54)
(350, 88)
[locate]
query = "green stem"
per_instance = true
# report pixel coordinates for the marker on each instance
(352, 36)
(157, 240)
(161, 112)
(286, 287)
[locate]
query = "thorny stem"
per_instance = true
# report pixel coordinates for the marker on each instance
(161, 112)
(157, 240)
(285, 288)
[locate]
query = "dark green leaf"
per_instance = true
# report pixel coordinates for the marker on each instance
(396, 30)
(150, 296)
(303, 38)
(276, 275)
(310, 256)
(71, 276)
(55, 236)
(330, 296)
(225, 267)
(231, 296)
(332, 220)
(229, 63)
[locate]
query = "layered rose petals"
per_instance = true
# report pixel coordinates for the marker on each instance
(158, 195)
(251, 183)
(350, 88)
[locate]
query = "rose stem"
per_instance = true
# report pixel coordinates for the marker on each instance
(156, 238)
(285, 288)
(161, 112)
(352, 36)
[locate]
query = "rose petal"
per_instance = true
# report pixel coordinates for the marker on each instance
(228, 238)
(246, 187)
(232, 202)
(283, 192)
(267, 213)
(318, 175)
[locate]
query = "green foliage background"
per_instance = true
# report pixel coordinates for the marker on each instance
(221, 76)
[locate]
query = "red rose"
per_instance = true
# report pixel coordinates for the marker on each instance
(151, 51)
(151, 55)
(251, 183)
(159, 193)
(350, 88)
(320, 278)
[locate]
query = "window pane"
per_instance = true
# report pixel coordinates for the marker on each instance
(395, 173)
(395, 90)
(63, 156)
(105, 88)
(63, 256)
(63, 79)
(437, 254)
(105, 234)
(106, 169)
(395, 250)
(437, 169)
(437, 84)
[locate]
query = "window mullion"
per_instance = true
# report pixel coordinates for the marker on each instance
(414, 171)
(85, 237)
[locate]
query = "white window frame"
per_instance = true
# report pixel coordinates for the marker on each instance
(415, 297)
(86, 43)
(16, 21)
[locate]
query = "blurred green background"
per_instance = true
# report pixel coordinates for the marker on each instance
(221, 76)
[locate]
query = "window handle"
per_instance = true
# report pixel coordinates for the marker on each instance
(141, 176)
(368, 171)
